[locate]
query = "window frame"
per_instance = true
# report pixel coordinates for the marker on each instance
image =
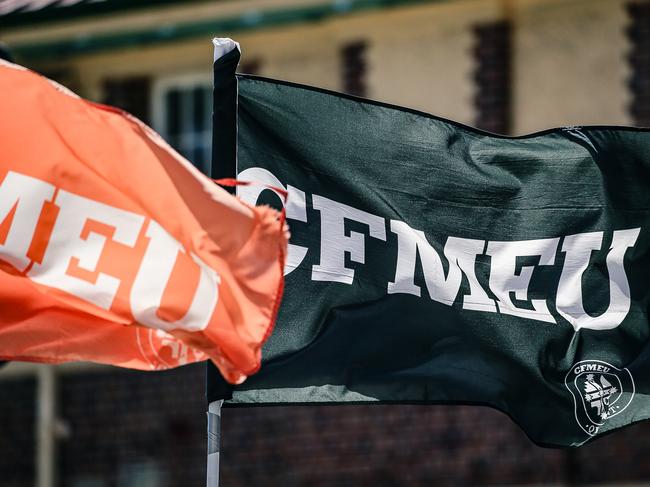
(163, 85)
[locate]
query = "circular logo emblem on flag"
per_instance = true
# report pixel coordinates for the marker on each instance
(600, 391)
(163, 351)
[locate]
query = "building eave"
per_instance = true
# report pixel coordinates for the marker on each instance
(83, 9)
(247, 21)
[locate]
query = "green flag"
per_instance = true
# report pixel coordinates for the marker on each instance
(432, 263)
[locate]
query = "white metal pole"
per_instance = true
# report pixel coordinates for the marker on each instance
(45, 420)
(214, 442)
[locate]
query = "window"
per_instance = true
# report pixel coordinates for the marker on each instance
(130, 94)
(182, 114)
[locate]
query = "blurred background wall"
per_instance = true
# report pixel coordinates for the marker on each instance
(510, 67)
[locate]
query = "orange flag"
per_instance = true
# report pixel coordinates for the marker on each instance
(114, 249)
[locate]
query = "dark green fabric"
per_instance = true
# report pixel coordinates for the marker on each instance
(342, 343)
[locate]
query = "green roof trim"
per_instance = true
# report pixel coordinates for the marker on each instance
(251, 20)
(85, 8)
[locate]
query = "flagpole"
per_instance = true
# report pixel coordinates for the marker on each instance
(224, 116)
(224, 165)
(45, 431)
(214, 442)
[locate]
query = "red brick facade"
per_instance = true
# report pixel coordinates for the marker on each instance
(148, 429)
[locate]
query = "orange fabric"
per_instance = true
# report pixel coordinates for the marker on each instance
(79, 154)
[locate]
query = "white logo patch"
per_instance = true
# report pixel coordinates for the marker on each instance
(600, 391)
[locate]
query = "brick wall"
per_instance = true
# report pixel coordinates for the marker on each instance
(413, 445)
(17, 430)
(380, 445)
(132, 429)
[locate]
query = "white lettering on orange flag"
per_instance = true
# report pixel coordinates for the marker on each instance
(21, 200)
(115, 249)
(153, 275)
(72, 241)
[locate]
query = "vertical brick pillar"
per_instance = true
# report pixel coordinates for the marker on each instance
(493, 63)
(639, 58)
(354, 68)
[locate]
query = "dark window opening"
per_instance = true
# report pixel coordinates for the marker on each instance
(187, 124)
(253, 66)
(639, 58)
(493, 78)
(354, 68)
(129, 94)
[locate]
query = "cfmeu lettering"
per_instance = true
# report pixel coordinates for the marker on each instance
(74, 244)
(505, 279)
